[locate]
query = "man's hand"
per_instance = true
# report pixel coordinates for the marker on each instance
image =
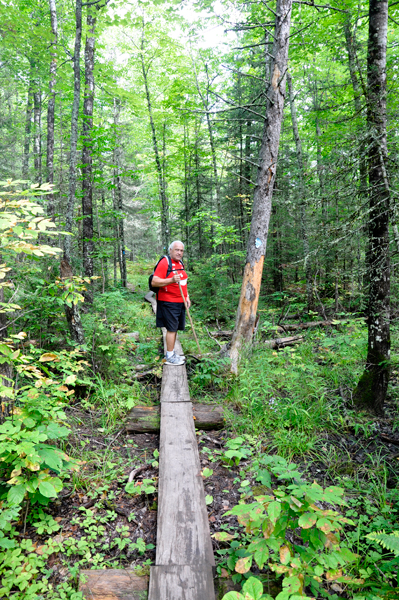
(176, 277)
(188, 302)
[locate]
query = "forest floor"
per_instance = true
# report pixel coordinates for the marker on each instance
(290, 421)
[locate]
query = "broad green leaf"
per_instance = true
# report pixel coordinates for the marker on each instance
(16, 494)
(253, 589)
(274, 511)
(324, 525)
(47, 489)
(307, 520)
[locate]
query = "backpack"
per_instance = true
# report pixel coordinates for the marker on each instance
(168, 272)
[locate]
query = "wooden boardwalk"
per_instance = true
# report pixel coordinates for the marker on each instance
(184, 565)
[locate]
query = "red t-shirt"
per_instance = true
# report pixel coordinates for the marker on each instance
(171, 292)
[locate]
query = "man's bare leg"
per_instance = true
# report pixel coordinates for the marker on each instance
(170, 340)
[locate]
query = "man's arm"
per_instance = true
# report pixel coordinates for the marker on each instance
(159, 282)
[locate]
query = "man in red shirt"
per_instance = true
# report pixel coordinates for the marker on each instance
(171, 312)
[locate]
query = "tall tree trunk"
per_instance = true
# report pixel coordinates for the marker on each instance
(51, 108)
(256, 247)
(302, 195)
(28, 128)
(357, 93)
(73, 158)
(5, 367)
(37, 137)
(278, 282)
(118, 198)
(72, 312)
(198, 192)
(187, 174)
(205, 104)
(87, 159)
(372, 387)
(162, 191)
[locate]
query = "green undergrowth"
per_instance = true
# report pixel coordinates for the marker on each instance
(297, 391)
(295, 538)
(64, 436)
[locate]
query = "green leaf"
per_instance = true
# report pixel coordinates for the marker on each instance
(6, 543)
(208, 499)
(16, 494)
(206, 472)
(325, 525)
(233, 596)
(260, 550)
(274, 511)
(253, 589)
(47, 489)
(307, 520)
(51, 458)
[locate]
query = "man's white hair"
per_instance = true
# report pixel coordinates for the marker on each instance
(175, 242)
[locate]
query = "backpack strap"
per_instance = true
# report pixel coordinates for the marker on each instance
(170, 268)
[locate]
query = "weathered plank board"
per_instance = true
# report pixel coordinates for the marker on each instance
(146, 419)
(113, 584)
(183, 536)
(188, 582)
(174, 384)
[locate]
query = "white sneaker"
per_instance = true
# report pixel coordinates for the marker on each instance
(174, 360)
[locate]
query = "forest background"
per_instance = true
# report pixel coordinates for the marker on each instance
(127, 125)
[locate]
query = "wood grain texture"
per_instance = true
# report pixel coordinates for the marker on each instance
(188, 582)
(113, 584)
(183, 536)
(147, 419)
(174, 384)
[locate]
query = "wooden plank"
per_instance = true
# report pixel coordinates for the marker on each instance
(113, 584)
(183, 536)
(186, 582)
(174, 384)
(146, 419)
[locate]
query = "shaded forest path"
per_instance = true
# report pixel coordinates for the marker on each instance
(184, 565)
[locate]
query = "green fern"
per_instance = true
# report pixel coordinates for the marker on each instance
(389, 541)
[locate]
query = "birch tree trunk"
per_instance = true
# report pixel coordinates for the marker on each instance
(372, 387)
(302, 194)
(87, 160)
(257, 240)
(162, 191)
(73, 159)
(51, 108)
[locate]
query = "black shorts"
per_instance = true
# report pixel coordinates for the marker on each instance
(171, 315)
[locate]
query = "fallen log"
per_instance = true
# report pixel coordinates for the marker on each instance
(113, 584)
(282, 342)
(146, 419)
(310, 325)
(227, 333)
(222, 333)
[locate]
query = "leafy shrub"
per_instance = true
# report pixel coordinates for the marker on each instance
(290, 531)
